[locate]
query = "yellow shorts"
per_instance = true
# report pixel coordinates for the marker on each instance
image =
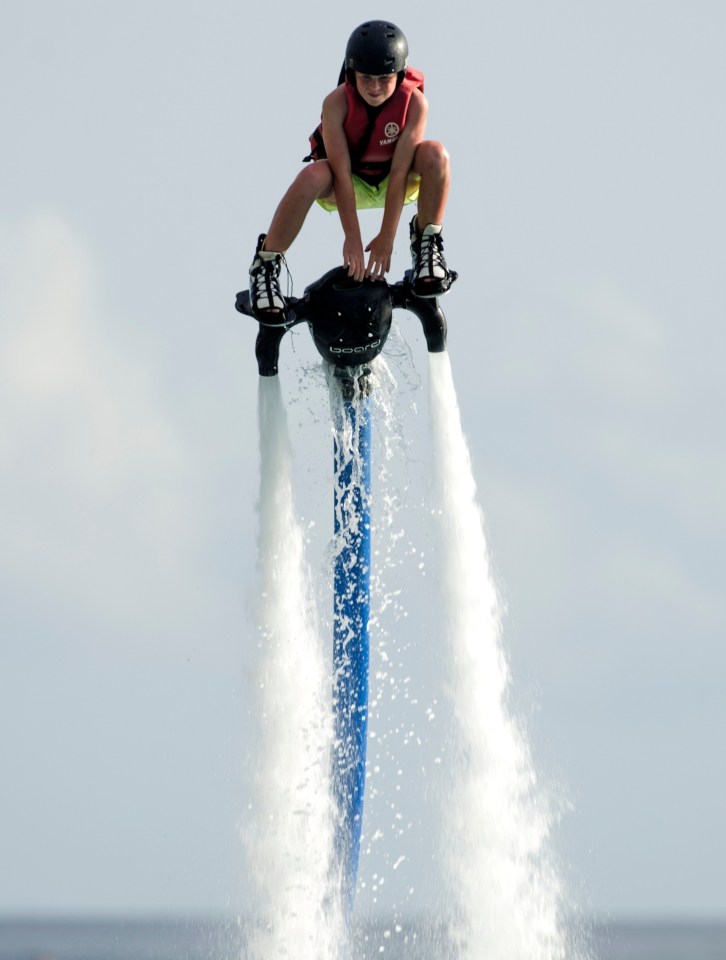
(374, 198)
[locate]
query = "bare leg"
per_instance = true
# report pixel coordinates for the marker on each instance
(430, 274)
(431, 161)
(312, 182)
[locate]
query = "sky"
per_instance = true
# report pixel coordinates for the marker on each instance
(145, 146)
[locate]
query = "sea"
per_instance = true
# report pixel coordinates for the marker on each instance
(167, 939)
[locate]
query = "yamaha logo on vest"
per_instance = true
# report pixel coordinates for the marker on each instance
(391, 131)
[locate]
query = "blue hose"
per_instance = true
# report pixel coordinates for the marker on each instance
(352, 464)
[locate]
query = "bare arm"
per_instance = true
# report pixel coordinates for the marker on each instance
(381, 247)
(336, 146)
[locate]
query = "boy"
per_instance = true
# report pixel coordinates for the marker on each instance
(369, 151)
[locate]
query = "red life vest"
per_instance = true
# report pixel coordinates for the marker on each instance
(372, 132)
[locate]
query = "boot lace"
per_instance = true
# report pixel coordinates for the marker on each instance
(430, 256)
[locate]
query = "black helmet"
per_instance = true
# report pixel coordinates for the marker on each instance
(376, 47)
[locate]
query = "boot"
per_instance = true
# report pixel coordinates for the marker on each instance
(268, 303)
(431, 276)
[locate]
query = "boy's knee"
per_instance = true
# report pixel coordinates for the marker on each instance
(432, 156)
(432, 159)
(316, 179)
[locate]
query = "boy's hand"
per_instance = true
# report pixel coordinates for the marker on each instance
(353, 258)
(379, 262)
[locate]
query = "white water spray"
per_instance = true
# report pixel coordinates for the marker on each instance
(289, 835)
(505, 898)
(505, 894)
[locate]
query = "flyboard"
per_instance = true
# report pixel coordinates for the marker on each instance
(349, 322)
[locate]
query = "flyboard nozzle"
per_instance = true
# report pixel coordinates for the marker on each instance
(427, 309)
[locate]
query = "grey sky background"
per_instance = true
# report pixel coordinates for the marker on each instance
(145, 146)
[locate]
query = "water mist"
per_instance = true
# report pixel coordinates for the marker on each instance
(504, 894)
